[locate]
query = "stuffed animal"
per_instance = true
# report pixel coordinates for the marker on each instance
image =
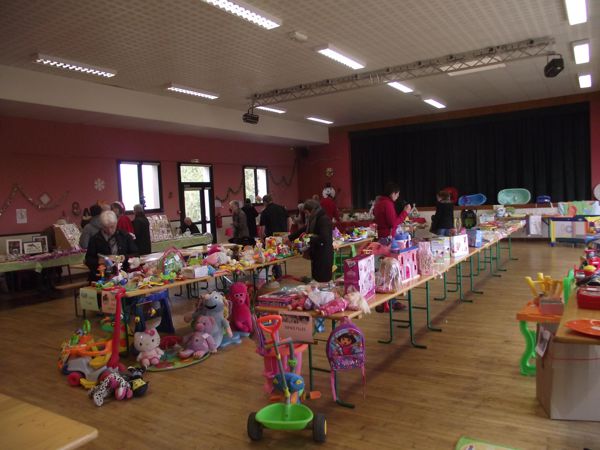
(147, 343)
(334, 306)
(213, 305)
(241, 319)
(113, 383)
(356, 302)
(200, 342)
(217, 259)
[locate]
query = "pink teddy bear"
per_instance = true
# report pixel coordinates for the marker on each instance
(241, 319)
(200, 342)
(147, 343)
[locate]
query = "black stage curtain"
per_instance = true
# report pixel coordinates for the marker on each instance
(546, 151)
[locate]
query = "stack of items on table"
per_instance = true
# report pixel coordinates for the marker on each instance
(355, 234)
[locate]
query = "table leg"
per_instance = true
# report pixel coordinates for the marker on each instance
(498, 257)
(445, 289)
(471, 275)
(527, 368)
(410, 323)
(461, 296)
(426, 308)
(391, 325)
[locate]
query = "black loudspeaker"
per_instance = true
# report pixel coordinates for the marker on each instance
(554, 67)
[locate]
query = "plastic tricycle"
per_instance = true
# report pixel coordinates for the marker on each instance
(288, 415)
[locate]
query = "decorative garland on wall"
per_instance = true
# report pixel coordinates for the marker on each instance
(17, 188)
(282, 181)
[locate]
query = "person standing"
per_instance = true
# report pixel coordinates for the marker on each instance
(92, 227)
(328, 205)
(123, 221)
(385, 212)
(141, 229)
(443, 219)
(251, 215)
(274, 217)
(321, 242)
(239, 223)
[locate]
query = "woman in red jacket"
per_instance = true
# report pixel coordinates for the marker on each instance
(385, 212)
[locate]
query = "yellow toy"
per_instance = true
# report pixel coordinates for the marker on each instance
(550, 289)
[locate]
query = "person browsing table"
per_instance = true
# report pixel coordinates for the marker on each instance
(385, 212)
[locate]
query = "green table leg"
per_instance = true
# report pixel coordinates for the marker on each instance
(471, 275)
(479, 268)
(498, 257)
(510, 256)
(410, 323)
(439, 299)
(527, 368)
(427, 309)
(391, 325)
(461, 297)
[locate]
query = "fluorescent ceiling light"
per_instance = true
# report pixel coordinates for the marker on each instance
(336, 55)
(270, 109)
(581, 51)
(246, 12)
(435, 103)
(401, 87)
(190, 91)
(61, 63)
(476, 69)
(585, 81)
(316, 119)
(576, 11)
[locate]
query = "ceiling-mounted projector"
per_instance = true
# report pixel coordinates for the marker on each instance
(250, 117)
(554, 67)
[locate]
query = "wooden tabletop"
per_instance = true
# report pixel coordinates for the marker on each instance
(573, 312)
(25, 426)
(351, 243)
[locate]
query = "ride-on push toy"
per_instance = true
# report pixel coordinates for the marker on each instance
(288, 415)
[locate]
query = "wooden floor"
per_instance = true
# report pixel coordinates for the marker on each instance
(466, 383)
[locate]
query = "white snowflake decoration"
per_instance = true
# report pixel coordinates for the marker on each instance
(99, 184)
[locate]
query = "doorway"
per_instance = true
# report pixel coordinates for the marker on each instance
(196, 196)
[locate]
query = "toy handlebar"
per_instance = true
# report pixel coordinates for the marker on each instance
(270, 324)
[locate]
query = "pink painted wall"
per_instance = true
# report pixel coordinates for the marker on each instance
(56, 158)
(336, 154)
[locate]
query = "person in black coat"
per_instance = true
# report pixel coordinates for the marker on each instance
(109, 241)
(251, 215)
(274, 217)
(321, 241)
(189, 225)
(443, 219)
(141, 229)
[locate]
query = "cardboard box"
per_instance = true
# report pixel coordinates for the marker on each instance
(475, 238)
(440, 248)
(568, 381)
(459, 245)
(359, 274)
(194, 272)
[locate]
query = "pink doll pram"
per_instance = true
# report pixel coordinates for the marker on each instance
(270, 359)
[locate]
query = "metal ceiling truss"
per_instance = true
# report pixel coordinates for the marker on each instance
(487, 56)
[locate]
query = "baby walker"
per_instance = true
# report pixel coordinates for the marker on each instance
(291, 415)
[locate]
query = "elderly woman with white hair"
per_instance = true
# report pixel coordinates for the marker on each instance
(109, 241)
(239, 223)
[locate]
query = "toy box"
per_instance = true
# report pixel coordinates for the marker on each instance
(408, 264)
(440, 248)
(194, 272)
(475, 238)
(425, 258)
(459, 245)
(359, 275)
(280, 299)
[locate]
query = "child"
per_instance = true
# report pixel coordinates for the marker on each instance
(443, 219)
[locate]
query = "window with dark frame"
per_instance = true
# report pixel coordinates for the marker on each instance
(255, 183)
(140, 182)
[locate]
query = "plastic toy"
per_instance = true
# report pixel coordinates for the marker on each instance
(287, 415)
(213, 305)
(472, 200)
(408, 264)
(200, 342)
(389, 277)
(514, 196)
(148, 344)
(124, 386)
(543, 199)
(241, 319)
(549, 297)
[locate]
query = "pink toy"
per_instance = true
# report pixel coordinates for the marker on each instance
(200, 342)
(300, 303)
(332, 307)
(408, 264)
(147, 343)
(359, 275)
(240, 319)
(356, 302)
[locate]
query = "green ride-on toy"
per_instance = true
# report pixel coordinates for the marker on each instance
(291, 415)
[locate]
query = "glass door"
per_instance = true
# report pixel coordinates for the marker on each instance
(196, 197)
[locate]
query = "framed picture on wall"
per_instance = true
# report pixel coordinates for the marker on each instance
(44, 241)
(14, 247)
(32, 248)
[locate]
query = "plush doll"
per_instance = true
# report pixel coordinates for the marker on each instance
(200, 342)
(356, 302)
(241, 319)
(148, 344)
(113, 383)
(213, 305)
(300, 303)
(217, 259)
(333, 306)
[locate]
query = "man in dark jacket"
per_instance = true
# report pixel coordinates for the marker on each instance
(321, 241)
(274, 217)
(109, 241)
(141, 229)
(251, 215)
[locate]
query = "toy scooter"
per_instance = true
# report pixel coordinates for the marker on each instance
(288, 415)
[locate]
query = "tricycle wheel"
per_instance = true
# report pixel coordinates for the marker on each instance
(255, 428)
(319, 426)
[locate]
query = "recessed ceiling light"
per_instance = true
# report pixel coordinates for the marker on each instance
(435, 103)
(576, 11)
(247, 12)
(61, 63)
(585, 81)
(316, 119)
(190, 91)
(333, 53)
(271, 109)
(581, 52)
(476, 69)
(401, 87)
